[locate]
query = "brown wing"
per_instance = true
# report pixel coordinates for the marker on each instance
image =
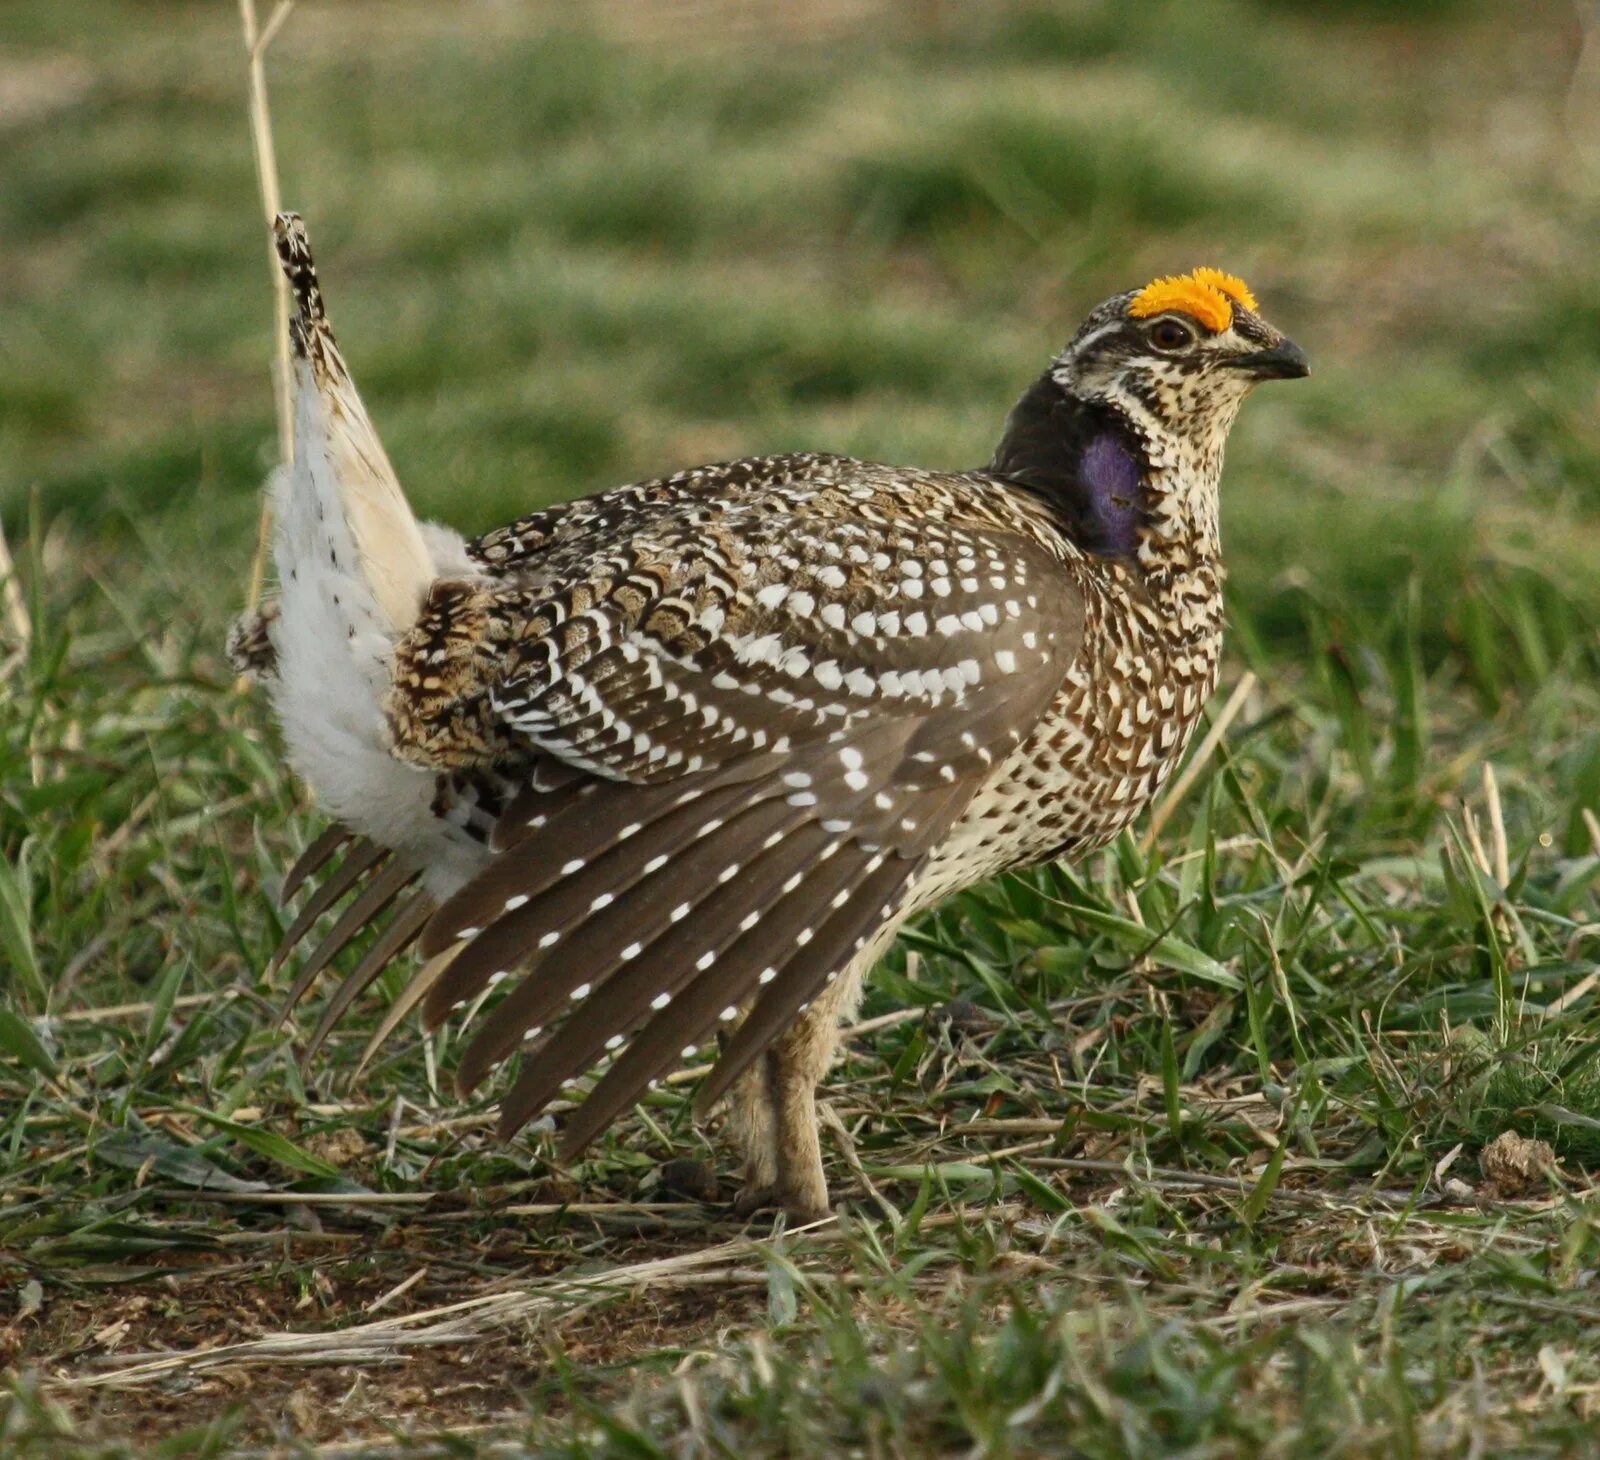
(780, 717)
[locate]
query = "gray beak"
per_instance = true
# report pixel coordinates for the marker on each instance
(1284, 361)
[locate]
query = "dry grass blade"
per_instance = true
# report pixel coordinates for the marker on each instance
(1497, 825)
(257, 42)
(546, 1300)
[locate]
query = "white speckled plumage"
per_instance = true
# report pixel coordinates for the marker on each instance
(683, 756)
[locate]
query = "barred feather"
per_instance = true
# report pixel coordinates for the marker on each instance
(702, 1007)
(689, 955)
(553, 847)
(517, 926)
(749, 957)
(849, 920)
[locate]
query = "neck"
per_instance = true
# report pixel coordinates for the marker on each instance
(1121, 485)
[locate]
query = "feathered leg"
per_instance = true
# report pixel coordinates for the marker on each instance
(774, 1106)
(752, 1129)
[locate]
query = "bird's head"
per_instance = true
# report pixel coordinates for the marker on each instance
(1124, 433)
(1178, 357)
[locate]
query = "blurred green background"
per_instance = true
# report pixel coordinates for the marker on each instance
(567, 245)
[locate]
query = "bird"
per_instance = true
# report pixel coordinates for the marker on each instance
(664, 769)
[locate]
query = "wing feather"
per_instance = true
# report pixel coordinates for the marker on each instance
(682, 957)
(399, 934)
(362, 858)
(380, 890)
(599, 945)
(310, 860)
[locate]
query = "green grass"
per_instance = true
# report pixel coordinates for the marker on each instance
(1158, 1156)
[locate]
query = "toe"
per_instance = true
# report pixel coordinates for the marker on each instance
(752, 1199)
(799, 1208)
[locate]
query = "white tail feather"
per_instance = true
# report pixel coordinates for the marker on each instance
(335, 440)
(353, 568)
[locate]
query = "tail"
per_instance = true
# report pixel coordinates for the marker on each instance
(337, 451)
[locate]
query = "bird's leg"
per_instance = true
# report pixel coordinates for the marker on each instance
(775, 1105)
(750, 1124)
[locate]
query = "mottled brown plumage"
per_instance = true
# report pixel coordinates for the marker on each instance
(696, 747)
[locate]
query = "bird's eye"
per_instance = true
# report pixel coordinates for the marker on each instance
(1170, 334)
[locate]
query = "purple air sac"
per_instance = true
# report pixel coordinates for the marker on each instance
(1111, 473)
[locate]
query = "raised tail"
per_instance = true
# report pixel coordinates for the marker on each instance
(340, 465)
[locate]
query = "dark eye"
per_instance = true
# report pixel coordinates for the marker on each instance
(1169, 334)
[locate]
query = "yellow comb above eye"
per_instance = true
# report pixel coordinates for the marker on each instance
(1207, 294)
(1230, 284)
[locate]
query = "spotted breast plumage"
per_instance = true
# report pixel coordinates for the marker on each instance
(673, 763)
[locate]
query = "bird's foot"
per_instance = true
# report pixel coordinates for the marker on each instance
(800, 1207)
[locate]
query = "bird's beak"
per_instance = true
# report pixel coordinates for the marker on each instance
(1283, 361)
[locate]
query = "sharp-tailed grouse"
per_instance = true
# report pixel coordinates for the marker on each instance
(674, 762)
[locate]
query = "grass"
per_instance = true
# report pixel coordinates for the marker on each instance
(1172, 1152)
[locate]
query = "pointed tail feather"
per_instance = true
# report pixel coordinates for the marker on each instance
(336, 445)
(294, 257)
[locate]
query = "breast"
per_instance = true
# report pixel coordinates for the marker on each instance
(1110, 741)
